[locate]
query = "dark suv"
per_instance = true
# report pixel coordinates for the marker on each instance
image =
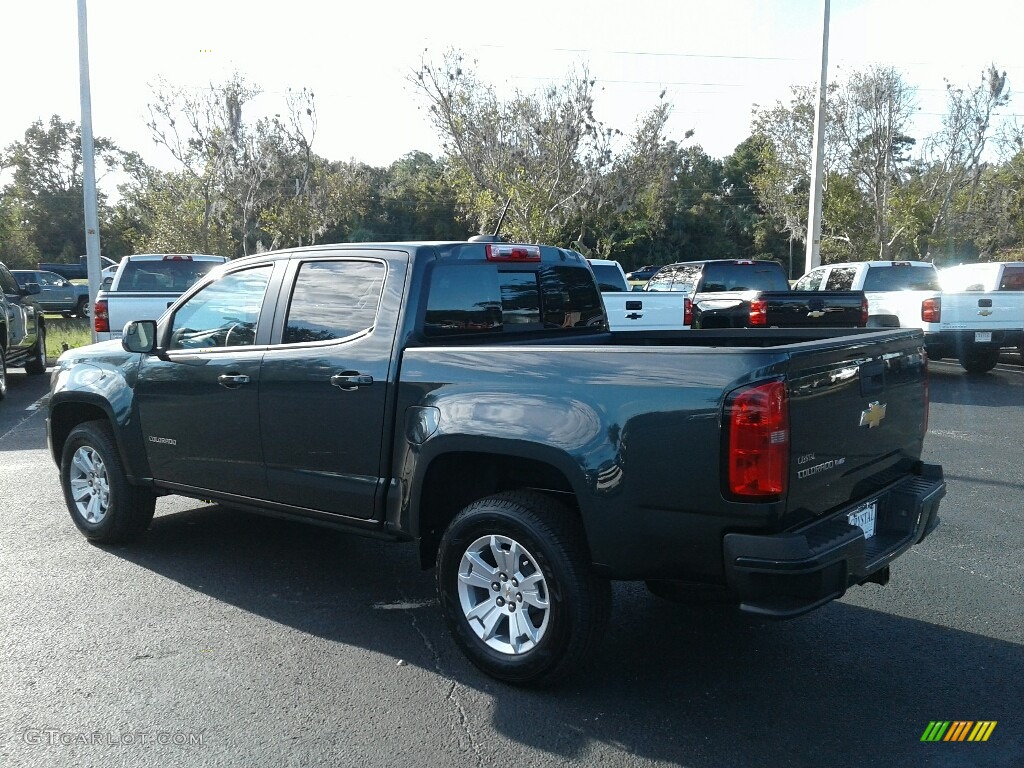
(22, 331)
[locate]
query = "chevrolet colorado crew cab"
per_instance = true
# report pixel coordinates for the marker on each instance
(745, 293)
(22, 328)
(469, 398)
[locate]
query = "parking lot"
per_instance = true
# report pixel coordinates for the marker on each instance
(227, 639)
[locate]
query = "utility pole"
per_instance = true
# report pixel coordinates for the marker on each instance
(92, 225)
(818, 158)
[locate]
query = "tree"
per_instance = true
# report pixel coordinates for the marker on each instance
(260, 181)
(43, 203)
(544, 154)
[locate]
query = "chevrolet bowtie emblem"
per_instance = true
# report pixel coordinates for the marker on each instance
(816, 313)
(984, 312)
(873, 415)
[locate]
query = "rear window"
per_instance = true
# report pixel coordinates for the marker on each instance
(471, 299)
(165, 275)
(609, 277)
(761, 276)
(901, 278)
(1013, 279)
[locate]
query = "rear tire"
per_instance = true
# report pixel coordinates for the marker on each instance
(37, 363)
(3, 374)
(102, 503)
(517, 588)
(82, 308)
(979, 361)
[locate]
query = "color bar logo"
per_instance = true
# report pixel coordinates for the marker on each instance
(959, 730)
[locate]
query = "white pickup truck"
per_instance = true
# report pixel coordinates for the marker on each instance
(629, 309)
(990, 297)
(971, 326)
(144, 286)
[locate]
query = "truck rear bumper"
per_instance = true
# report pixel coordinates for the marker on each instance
(788, 574)
(951, 343)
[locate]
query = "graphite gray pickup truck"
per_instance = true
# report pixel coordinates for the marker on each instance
(470, 398)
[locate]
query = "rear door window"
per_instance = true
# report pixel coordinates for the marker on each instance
(841, 279)
(333, 300)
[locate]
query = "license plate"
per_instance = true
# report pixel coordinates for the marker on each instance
(983, 336)
(864, 518)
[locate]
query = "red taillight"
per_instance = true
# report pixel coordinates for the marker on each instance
(759, 312)
(687, 312)
(931, 310)
(863, 311)
(510, 252)
(100, 318)
(757, 452)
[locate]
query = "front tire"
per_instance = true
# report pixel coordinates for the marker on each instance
(102, 503)
(979, 361)
(517, 589)
(82, 308)
(37, 363)
(3, 374)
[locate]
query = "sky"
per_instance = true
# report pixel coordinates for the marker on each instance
(715, 59)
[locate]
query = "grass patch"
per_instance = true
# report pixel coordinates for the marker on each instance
(73, 331)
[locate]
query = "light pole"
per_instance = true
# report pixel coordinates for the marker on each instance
(817, 158)
(92, 225)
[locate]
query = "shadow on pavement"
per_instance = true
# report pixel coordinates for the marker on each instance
(696, 686)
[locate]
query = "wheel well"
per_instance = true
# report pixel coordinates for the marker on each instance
(455, 480)
(65, 418)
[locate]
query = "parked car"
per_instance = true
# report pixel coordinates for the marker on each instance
(468, 398)
(22, 328)
(76, 270)
(642, 275)
(991, 295)
(57, 294)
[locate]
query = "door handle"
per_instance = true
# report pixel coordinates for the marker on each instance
(349, 381)
(232, 380)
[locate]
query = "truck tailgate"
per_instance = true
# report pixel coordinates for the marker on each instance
(857, 420)
(989, 311)
(800, 309)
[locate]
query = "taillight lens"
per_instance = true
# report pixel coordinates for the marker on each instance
(687, 312)
(512, 252)
(100, 318)
(759, 312)
(863, 312)
(931, 310)
(757, 447)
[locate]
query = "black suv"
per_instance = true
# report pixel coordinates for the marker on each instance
(22, 332)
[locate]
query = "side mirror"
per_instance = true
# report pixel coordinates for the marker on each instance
(139, 336)
(31, 289)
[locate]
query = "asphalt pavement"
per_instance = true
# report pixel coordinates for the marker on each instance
(224, 639)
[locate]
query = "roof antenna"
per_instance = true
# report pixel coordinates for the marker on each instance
(495, 238)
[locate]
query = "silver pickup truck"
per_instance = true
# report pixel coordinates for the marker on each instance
(144, 286)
